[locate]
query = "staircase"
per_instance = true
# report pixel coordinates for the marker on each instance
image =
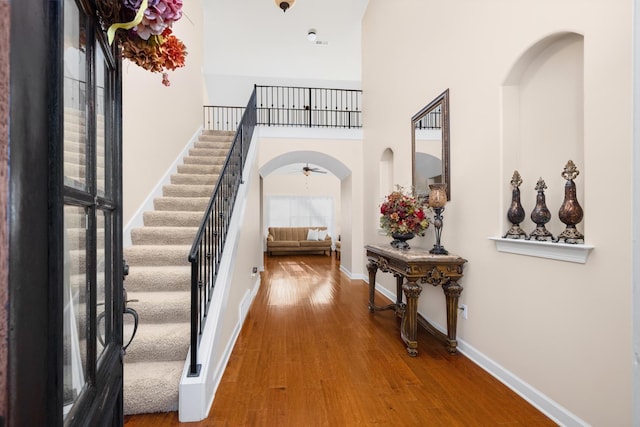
(159, 278)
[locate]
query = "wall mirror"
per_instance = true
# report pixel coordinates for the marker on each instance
(430, 145)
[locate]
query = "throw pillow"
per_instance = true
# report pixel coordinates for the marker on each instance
(322, 234)
(312, 234)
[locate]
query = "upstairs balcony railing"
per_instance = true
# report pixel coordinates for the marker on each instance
(293, 106)
(433, 120)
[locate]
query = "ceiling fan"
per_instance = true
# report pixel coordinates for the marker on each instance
(306, 170)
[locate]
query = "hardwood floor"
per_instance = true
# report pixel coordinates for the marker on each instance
(311, 354)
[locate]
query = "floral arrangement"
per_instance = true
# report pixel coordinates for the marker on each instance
(147, 39)
(403, 213)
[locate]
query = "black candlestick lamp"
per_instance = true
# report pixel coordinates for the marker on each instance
(437, 200)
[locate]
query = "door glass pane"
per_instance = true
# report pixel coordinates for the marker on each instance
(74, 96)
(100, 120)
(104, 311)
(74, 300)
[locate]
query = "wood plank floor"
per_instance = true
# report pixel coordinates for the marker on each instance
(311, 354)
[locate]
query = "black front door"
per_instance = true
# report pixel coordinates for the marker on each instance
(66, 270)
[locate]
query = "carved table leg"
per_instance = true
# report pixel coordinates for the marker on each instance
(409, 326)
(399, 305)
(452, 291)
(372, 267)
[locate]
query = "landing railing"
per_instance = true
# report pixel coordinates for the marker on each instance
(206, 251)
(293, 106)
(433, 120)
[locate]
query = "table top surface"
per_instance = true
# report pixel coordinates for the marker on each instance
(413, 254)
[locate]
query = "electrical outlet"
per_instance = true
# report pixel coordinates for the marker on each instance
(464, 312)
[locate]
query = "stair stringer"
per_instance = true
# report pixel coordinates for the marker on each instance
(196, 394)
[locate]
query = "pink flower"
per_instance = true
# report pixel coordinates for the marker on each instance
(165, 79)
(159, 17)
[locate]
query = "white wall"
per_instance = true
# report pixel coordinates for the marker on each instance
(158, 121)
(248, 255)
(559, 327)
(254, 42)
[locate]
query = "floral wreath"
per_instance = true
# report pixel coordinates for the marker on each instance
(147, 39)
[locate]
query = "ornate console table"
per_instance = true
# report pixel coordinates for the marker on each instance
(410, 267)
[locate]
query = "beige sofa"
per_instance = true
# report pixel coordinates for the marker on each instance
(294, 240)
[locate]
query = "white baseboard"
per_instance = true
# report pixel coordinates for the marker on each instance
(346, 272)
(536, 398)
(147, 205)
(349, 274)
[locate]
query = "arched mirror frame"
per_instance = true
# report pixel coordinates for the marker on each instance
(443, 101)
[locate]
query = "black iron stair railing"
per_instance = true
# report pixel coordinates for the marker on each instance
(293, 106)
(206, 251)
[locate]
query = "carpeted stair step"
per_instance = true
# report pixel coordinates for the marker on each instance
(163, 235)
(165, 341)
(198, 204)
(158, 278)
(217, 137)
(220, 153)
(149, 255)
(151, 386)
(228, 133)
(200, 169)
(204, 160)
(213, 144)
(74, 146)
(159, 307)
(80, 158)
(77, 237)
(172, 218)
(75, 169)
(194, 190)
(77, 280)
(77, 260)
(196, 179)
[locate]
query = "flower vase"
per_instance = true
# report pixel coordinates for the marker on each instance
(400, 240)
(541, 215)
(515, 214)
(570, 212)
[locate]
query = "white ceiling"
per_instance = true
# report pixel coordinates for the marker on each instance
(255, 38)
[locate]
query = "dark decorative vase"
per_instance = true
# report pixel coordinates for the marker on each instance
(515, 214)
(400, 240)
(540, 215)
(570, 212)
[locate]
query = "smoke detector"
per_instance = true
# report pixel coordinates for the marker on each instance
(311, 35)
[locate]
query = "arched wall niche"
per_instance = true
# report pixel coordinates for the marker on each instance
(386, 173)
(543, 124)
